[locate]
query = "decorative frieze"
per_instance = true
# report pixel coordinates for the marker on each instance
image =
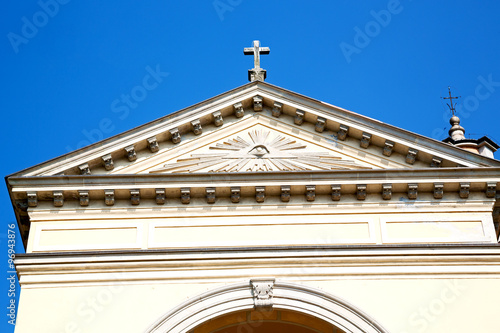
(336, 192)
(388, 146)
(160, 196)
(320, 125)
(84, 198)
(135, 197)
(108, 162)
(175, 135)
(257, 103)
(310, 192)
(262, 290)
(260, 193)
(361, 192)
(285, 193)
(436, 162)
(210, 195)
(342, 133)
(109, 197)
(153, 144)
(365, 140)
(277, 109)
(491, 190)
(299, 117)
(386, 191)
(185, 195)
(130, 153)
(411, 156)
(32, 199)
(464, 190)
(412, 191)
(84, 169)
(238, 110)
(438, 190)
(235, 194)
(58, 198)
(218, 121)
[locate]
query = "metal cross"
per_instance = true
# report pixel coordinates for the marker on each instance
(451, 105)
(256, 50)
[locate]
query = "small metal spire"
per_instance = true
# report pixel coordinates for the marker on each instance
(451, 105)
(456, 131)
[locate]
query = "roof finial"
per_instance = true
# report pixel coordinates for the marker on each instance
(256, 73)
(456, 132)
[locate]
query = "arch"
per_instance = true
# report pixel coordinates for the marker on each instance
(286, 296)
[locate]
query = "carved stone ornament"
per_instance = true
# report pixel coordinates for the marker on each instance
(365, 140)
(160, 196)
(257, 103)
(109, 197)
(412, 156)
(153, 144)
(491, 190)
(175, 135)
(210, 194)
(386, 191)
(388, 146)
(436, 162)
(108, 162)
(336, 192)
(277, 109)
(361, 192)
(235, 194)
(84, 169)
(196, 127)
(58, 198)
(32, 199)
(464, 190)
(342, 133)
(260, 193)
(218, 121)
(285, 193)
(310, 192)
(135, 197)
(185, 195)
(238, 110)
(130, 152)
(320, 125)
(84, 198)
(412, 191)
(262, 290)
(438, 190)
(299, 117)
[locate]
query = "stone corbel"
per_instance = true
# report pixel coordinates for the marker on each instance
(235, 194)
(196, 127)
(412, 191)
(464, 190)
(238, 110)
(436, 162)
(160, 196)
(153, 144)
(386, 191)
(336, 192)
(361, 192)
(109, 197)
(365, 140)
(84, 198)
(185, 195)
(135, 197)
(388, 146)
(210, 195)
(262, 290)
(257, 103)
(260, 193)
(491, 190)
(320, 125)
(84, 169)
(277, 109)
(218, 121)
(108, 162)
(58, 198)
(32, 199)
(310, 192)
(438, 190)
(412, 156)
(175, 135)
(342, 133)
(299, 117)
(285, 193)
(130, 152)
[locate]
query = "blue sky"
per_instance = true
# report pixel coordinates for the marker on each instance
(69, 65)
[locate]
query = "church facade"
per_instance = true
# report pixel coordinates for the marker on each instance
(260, 210)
